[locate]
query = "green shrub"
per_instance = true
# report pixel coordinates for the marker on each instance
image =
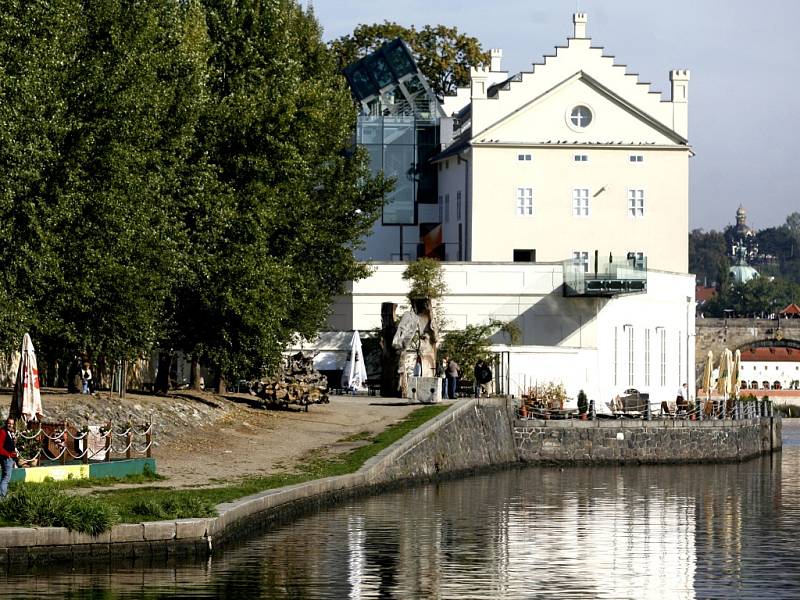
(33, 504)
(174, 507)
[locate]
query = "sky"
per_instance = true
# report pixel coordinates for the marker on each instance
(744, 119)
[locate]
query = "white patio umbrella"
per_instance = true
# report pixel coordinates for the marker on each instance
(735, 376)
(26, 402)
(725, 367)
(709, 369)
(354, 376)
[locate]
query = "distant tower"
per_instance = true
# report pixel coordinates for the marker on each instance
(741, 238)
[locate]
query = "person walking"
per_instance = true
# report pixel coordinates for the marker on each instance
(8, 454)
(452, 374)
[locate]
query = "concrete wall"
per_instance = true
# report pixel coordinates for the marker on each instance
(471, 435)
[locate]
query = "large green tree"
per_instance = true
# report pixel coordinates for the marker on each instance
(274, 235)
(443, 54)
(35, 122)
(99, 104)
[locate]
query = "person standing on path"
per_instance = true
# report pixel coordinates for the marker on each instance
(8, 454)
(452, 378)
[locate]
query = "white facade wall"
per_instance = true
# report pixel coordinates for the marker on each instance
(570, 340)
(787, 373)
(553, 229)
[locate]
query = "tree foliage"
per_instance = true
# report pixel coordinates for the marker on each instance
(760, 297)
(708, 256)
(469, 345)
(443, 54)
(176, 173)
(426, 279)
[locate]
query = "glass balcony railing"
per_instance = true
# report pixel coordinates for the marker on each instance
(611, 277)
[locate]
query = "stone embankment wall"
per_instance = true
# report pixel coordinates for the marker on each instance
(471, 435)
(640, 442)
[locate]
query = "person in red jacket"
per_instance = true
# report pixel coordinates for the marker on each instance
(8, 454)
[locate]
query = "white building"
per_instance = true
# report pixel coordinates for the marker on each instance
(563, 206)
(770, 368)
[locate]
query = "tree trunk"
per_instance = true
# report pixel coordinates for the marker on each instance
(162, 377)
(219, 382)
(195, 374)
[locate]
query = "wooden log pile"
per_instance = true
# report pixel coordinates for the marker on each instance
(297, 382)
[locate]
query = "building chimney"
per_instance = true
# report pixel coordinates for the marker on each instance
(497, 59)
(680, 101)
(580, 19)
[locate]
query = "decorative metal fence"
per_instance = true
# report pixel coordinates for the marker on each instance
(63, 442)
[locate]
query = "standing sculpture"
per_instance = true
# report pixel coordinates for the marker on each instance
(415, 340)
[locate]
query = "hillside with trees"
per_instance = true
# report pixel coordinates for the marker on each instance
(777, 261)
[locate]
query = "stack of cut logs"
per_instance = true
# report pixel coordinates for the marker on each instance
(298, 382)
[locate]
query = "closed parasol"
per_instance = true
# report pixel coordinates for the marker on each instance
(707, 374)
(354, 376)
(26, 402)
(725, 367)
(735, 375)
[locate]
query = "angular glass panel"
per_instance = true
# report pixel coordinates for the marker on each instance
(414, 85)
(362, 85)
(380, 70)
(399, 60)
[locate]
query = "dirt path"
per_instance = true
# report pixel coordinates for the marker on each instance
(254, 441)
(202, 439)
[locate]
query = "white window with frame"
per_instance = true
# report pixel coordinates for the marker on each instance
(447, 208)
(580, 202)
(458, 206)
(525, 202)
(524, 157)
(581, 259)
(636, 158)
(581, 158)
(647, 358)
(635, 203)
(630, 356)
(663, 358)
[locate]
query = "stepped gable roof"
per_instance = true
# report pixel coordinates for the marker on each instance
(771, 354)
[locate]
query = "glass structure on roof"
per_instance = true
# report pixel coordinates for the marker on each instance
(398, 125)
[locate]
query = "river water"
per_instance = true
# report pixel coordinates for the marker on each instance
(716, 531)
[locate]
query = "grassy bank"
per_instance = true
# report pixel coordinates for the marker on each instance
(152, 504)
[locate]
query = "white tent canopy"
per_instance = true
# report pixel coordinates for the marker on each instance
(354, 375)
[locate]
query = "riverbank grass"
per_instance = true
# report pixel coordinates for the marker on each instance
(49, 504)
(152, 504)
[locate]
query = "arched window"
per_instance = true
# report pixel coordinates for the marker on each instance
(754, 385)
(776, 385)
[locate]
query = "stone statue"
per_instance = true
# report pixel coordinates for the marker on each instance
(415, 340)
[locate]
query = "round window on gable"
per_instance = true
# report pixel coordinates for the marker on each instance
(580, 116)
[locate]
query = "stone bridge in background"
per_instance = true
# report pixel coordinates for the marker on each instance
(716, 334)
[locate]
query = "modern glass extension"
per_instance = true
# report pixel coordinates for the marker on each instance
(606, 278)
(398, 125)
